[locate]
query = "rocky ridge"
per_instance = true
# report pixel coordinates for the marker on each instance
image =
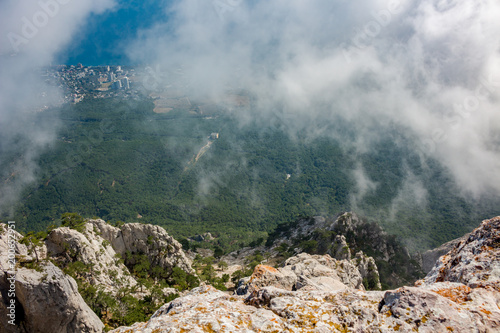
(377, 255)
(460, 294)
(161, 249)
(101, 265)
(430, 257)
(50, 300)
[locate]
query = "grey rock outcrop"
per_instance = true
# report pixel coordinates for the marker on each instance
(206, 309)
(342, 237)
(430, 257)
(368, 270)
(461, 294)
(153, 241)
(103, 267)
(474, 261)
(47, 299)
(340, 249)
(323, 272)
(305, 271)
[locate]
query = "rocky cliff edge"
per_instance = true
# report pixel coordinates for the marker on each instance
(48, 300)
(460, 294)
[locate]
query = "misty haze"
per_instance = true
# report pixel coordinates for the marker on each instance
(251, 132)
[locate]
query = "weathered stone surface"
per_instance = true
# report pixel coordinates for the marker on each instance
(271, 309)
(266, 276)
(474, 261)
(482, 304)
(161, 248)
(206, 309)
(311, 270)
(460, 295)
(430, 257)
(305, 271)
(103, 266)
(48, 299)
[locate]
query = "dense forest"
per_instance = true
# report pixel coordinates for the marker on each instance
(120, 161)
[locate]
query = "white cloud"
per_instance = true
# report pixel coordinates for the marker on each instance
(404, 63)
(32, 32)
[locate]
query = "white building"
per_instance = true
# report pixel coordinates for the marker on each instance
(126, 83)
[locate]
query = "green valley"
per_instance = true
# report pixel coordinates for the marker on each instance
(118, 160)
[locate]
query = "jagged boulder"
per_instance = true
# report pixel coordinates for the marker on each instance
(368, 270)
(266, 276)
(430, 257)
(102, 266)
(474, 261)
(305, 271)
(151, 240)
(47, 299)
(322, 272)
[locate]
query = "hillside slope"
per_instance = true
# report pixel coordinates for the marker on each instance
(118, 160)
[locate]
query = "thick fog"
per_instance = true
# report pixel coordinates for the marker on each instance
(428, 68)
(32, 32)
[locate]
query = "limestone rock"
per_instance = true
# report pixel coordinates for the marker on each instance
(161, 248)
(474, 261)
(48, 299)
(305, 271)
(266, 276)
(427, 311)
(340, 249)
(206, 309)
(460, 295)
(430, 257)
(103, 266)
(372, 234)
(368, 270)
(313, 269)
(271, 309)
(340, 237)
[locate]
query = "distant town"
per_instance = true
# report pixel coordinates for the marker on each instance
(166, 88)
(81, 81)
